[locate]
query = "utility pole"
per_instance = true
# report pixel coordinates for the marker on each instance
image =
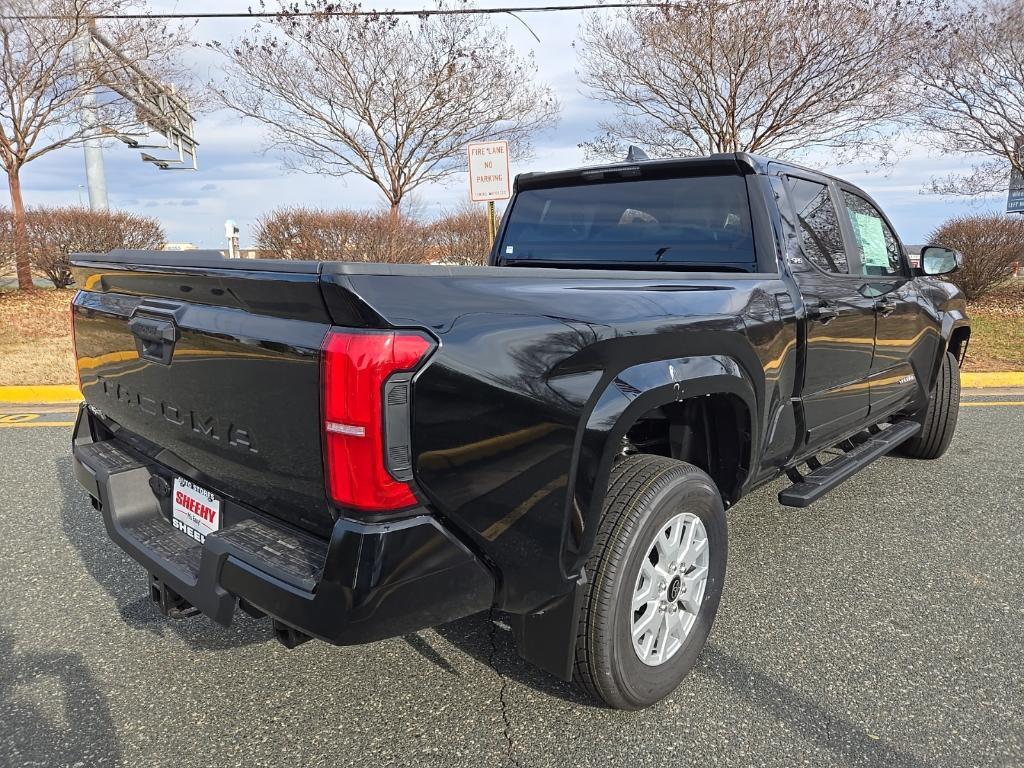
(95, 173)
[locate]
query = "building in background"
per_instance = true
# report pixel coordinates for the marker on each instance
(250, 253)
(914, 255)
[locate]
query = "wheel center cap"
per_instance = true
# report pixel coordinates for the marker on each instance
(673, 589)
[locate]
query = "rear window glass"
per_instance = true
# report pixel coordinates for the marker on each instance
(698, 222)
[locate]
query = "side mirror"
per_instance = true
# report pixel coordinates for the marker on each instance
(936, 260)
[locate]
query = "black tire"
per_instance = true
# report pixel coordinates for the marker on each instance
(644, 494)
(939, 418)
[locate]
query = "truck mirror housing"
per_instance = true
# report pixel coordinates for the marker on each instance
(936, 260)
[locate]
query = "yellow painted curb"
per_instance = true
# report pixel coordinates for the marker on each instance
(992, 379)
(58, 393)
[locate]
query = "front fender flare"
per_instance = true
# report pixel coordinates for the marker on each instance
(952, 321)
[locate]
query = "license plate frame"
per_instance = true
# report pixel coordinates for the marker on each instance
(195, 510)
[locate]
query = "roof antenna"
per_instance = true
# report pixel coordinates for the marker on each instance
(635, 154)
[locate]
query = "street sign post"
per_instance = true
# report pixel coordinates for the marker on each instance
(1015, 198)
(489, 177)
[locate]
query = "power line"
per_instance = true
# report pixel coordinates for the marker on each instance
(292, 14)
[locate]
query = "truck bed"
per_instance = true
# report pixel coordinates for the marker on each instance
(523, 355)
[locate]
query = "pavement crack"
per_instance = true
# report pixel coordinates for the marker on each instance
(506, 717)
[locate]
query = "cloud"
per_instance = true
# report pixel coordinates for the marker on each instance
(237, 180)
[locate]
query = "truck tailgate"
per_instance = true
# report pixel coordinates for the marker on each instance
(214, 370)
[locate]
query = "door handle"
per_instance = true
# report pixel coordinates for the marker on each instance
(885, 307)
(823, 312)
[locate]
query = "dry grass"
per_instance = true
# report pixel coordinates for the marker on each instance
(35, 337)
(997, 330)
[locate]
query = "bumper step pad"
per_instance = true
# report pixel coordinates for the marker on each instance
(289, 556)
(297, 559)
(169, 543)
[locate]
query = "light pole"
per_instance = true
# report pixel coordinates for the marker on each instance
(95, 173)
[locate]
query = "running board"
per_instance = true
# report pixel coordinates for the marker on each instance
(807, 489)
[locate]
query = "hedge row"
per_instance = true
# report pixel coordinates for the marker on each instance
(458, 237)
(55, 233)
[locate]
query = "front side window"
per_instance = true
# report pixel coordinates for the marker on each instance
(684, 223)
(820, 235)
(877, 248)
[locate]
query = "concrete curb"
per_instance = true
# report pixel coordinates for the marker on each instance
(68, 393)
(982, 379)
(58, 393)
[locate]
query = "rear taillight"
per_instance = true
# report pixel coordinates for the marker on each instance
(74, 346)
(357, 368)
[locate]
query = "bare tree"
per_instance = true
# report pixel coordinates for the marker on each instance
(42, 86)
(393, 100)
(774, 76)
(970, 80)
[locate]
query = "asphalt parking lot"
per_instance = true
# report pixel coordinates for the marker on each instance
(884, 626)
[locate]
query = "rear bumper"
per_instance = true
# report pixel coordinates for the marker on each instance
(367, 582)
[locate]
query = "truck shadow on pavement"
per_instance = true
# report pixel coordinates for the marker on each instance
(69, 726)
(827, 726)
(481, 638)
(815, 722)
(125, 581)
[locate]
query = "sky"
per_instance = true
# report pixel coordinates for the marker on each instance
(237, 180)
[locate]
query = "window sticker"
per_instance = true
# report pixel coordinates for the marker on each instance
(871, 239)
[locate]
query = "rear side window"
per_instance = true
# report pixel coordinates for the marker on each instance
(820, 235)
(878, 249)
(697, 223)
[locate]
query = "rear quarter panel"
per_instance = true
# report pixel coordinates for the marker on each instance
(505, 441)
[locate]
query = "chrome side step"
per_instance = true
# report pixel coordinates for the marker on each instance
(807, 489)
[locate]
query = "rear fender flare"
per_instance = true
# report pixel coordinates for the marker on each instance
(546, 636)
(628, 396)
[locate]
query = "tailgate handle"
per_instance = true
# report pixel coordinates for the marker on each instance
(154, 338)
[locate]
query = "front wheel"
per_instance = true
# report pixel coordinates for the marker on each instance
(654, 581)
(940, 415)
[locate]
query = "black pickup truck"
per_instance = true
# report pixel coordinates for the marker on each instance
(359, 451)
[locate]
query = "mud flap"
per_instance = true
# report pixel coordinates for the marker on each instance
(547, 637)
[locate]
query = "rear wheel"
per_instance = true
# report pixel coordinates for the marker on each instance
(940, 416)
(655, 581)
